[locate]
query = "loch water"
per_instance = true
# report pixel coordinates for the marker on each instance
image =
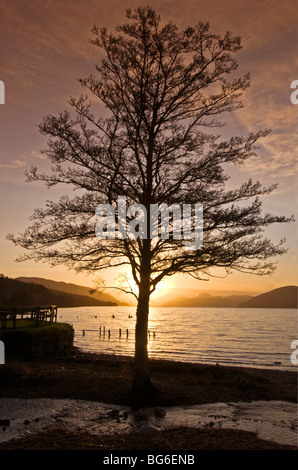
(230, 336)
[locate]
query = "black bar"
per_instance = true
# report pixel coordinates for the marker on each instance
(151, 459)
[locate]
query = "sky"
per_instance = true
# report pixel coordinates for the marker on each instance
(45, 48)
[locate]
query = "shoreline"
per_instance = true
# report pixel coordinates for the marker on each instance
(106, 378)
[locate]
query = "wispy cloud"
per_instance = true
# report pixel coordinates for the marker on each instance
(24, 160)
(13, 164)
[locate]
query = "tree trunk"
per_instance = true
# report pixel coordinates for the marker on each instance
(142, 387)
(141, 370)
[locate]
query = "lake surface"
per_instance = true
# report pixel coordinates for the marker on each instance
(228, 336)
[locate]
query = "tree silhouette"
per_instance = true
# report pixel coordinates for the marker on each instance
(163, 90)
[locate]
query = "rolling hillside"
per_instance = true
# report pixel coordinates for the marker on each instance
(15, 293)
(34, 290)
(208, 300)
(70, 289)
(282, 297)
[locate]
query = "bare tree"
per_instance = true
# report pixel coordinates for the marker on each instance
(164, 90)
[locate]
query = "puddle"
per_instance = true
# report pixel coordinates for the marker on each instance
(275, 421)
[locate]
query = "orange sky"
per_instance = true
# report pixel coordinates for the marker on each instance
(45, 48)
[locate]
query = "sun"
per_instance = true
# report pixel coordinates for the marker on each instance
(163, 288)
(124, 280)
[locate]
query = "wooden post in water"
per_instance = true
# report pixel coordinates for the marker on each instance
(127, 333)
(109, 333)
(119, 332)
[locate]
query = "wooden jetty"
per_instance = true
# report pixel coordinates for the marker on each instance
(40, 314)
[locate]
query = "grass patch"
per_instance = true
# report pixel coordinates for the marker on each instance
(28, 341)
(23, 323)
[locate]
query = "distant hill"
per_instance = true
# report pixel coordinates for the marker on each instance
(208, 300)
(15, 293)
(71, 289)
(282, 297)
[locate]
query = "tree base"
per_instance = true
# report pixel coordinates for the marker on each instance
(144, 394)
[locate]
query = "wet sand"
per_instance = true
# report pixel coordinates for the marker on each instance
(106, 379)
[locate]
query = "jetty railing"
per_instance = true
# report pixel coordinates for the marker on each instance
(40, 314)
